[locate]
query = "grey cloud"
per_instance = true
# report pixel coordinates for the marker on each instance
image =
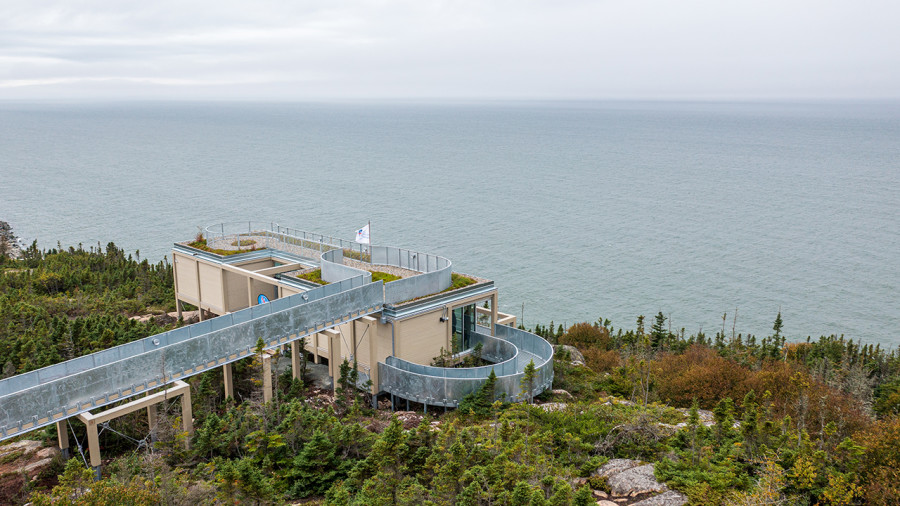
(468, 49)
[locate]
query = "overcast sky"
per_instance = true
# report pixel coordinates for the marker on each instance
(422, 49)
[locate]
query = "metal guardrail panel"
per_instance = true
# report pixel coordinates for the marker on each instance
(333, 268)
(33, 403)
(37, 398)
(503, 350)
(435, 270)
(447, 386)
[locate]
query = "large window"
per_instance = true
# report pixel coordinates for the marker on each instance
(463, 327)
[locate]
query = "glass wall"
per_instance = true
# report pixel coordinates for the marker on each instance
(463, 327)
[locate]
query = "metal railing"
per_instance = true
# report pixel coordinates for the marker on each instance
(228, 236)
(333, 268)
(435, 270)
(37, 398)
(446, 387)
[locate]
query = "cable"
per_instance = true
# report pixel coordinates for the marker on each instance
(78, 444)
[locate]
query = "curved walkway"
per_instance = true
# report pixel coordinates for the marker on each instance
(443, 386)
(42, 397)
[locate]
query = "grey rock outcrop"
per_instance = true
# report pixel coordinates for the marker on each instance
(575, 356)
(615, 466)
(634, 481)
(668, 498)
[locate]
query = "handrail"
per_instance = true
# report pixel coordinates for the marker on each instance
(424, 384)
(40, 397)
(435, 270)
(506, 351)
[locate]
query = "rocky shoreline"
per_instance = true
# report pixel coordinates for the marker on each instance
(9, 243)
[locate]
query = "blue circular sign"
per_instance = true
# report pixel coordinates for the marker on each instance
(262, 299)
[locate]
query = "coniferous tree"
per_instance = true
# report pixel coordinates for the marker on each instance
(658, 333)
(315, 468)
(528, 378)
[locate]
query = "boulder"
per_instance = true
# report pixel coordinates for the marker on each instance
(615, 466)
(575, 356)
(668, 498)
(553, 406)
(28, 457)
(635, 481)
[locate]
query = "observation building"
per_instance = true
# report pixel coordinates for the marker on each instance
(391, 312)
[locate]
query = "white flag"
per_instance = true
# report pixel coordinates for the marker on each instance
(362, 235)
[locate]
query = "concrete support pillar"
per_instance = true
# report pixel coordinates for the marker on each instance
(267, 377)
(334, 354)
(152, 421)
(373, 352)
(93, 444)
(315, 347)
(92, 421)
(295, 359)
(493, 311)
(62, 435)
(187, 414)
(229, 383)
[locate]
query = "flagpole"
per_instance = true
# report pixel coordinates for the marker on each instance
(370, 242)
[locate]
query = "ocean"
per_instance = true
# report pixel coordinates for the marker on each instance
(577, 210)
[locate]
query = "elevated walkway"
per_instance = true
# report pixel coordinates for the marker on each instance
(38, 398)
(512, 349)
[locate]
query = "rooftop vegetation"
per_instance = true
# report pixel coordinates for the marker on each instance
(458, 281)
(314, 276)
(383, 276)
(199, 242)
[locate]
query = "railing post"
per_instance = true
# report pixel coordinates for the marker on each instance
(63, 438)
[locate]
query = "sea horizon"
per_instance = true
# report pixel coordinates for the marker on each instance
(578, 209)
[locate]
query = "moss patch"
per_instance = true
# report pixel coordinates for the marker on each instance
(458, 281)
(200, 243)
(314, 276)
(383, 276)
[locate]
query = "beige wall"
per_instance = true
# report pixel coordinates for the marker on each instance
(419, 339)
(211, 287)
(186, 276)
(235, 291)
(257, 287)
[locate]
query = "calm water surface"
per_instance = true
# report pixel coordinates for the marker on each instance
(576, 210)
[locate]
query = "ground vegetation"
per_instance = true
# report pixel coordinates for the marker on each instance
(725, 419)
